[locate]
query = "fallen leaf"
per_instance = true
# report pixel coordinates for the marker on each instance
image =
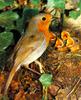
(20, 95)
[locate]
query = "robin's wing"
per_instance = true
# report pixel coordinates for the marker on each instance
(29, 48)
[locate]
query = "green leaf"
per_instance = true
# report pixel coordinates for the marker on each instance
(79, 5)
(74, 14)
(59, 4)
(7, 17)
(5, 40)
(9, 2)
(46, 79)
(35, 2)
(56, 4)
(3, 3)
(9, 26)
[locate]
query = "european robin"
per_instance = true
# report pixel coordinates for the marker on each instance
(32, 45)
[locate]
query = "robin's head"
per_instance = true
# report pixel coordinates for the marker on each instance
(44, 22)
(41, 22)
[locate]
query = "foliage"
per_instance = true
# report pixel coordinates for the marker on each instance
(35, 2)
(56, 4)
(7, 18)
(5, 40)
(14, 17)
(46, 79)
(4, 3)
(77, 11)
(74, 14)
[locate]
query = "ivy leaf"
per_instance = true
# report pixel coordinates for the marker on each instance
(74, 14)
(3, 4)
(59, 4)
(9, 2)
(46, 79)
(7, 17)
(5, 40)
(9, 26)
(35, 2)
(56, 4)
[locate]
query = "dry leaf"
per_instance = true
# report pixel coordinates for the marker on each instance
(20, 95)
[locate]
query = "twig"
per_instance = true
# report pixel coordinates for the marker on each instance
(74, 88)
(32, 70)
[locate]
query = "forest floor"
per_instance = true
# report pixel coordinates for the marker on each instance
(65, 68)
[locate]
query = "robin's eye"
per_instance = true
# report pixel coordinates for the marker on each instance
(44, 18)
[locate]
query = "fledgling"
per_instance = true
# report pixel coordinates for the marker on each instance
(71, 44)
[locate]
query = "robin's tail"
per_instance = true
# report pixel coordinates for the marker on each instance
(12, 73)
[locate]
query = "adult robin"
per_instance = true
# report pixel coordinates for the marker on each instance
(31, 45)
